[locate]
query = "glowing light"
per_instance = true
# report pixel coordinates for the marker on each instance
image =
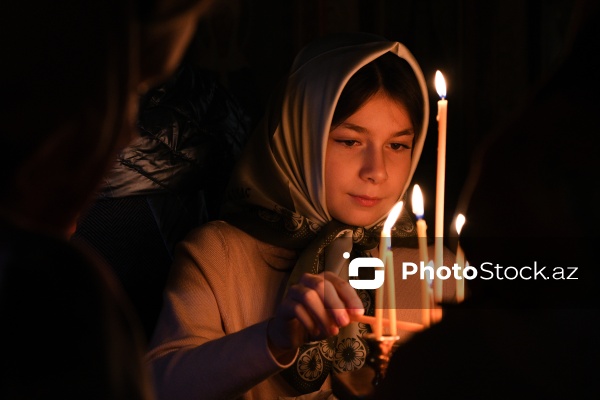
(392, 217)
(440, 84)
(460, 221)
(417, 202)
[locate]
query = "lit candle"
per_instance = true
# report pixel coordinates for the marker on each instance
(460, 261)
(389, 267)
(433, 311)
(440, 86)
(419, 211)
(386, 255)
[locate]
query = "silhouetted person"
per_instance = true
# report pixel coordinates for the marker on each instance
(532, 197)
(71, 75)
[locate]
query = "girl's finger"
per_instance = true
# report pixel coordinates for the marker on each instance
(313, 304)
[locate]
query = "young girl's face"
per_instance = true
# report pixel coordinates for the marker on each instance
(367, 161)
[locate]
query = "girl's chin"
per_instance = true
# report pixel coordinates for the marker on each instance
(356, 220)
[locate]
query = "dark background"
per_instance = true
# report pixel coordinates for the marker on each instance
(492, 53)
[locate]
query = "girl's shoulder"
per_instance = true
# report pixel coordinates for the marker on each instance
(213, 244)
(221, 237)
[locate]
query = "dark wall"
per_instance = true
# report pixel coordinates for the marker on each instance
(492, 54)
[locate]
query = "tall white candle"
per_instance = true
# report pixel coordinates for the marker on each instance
(440, 86)
(419, 211)
(386, 255)
(460, 261)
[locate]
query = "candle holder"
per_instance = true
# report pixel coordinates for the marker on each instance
(361, 384)
(380, 350)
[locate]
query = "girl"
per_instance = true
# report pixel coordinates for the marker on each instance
(258, 305)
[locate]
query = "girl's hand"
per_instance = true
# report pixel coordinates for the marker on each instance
(313, 309)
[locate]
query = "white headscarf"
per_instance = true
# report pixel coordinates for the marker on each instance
(282, 167)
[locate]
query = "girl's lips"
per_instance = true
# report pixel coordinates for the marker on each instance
(366, 201)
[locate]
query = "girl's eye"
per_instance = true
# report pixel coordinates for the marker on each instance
(348, 143)
(398, 146)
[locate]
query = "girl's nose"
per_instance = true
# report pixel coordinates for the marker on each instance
(373, 167)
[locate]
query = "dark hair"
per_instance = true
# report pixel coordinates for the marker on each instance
(388, 73)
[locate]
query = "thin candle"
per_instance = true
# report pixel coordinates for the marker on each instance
(440, 86)
(419, 211)
(391, 286)
(378, 327)
(460, 261)
(389, 262)
(432, 310)
(385, 254)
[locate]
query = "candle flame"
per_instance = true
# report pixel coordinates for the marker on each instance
(392, 217)
(440, 84)
(417, 202)
(460, 221)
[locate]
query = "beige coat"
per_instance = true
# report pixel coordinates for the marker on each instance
(210, 341)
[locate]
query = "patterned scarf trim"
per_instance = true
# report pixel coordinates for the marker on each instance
(284, 228)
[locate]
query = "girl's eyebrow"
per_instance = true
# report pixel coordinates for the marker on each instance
(356, 128)
(363, 130)
(406, 132)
